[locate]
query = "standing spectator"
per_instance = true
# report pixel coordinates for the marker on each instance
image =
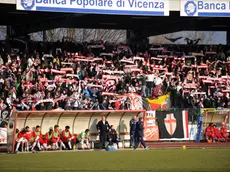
(103, 129)
(150, 78)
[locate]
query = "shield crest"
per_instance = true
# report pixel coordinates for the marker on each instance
(170, 123)
(27, 4)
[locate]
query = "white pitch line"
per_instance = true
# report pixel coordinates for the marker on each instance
(71, 169)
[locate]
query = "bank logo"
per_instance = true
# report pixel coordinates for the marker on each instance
(190, 8)
(27, 4)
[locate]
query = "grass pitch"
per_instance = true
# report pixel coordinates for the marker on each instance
(159, 160)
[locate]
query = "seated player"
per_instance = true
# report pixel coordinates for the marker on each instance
(217, 135)
(56, 138)
(67, 137)
(112, 136)
(18, 142)
(38, 141)
(48, 138)
(224, 132)
(16, 134)
(84, 138)
(209, 133)
(29, 136)
(21, 140)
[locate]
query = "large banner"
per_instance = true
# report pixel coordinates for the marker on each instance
(4, 119)
(173, 125)
(5, 115)
(205, 8)
(151, 131)
(162, 102)
(116, 7)
(3, 135)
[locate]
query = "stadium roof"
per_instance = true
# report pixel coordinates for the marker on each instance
(24, 22)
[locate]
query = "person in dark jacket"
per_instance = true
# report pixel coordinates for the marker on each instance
(132, 125)
(103, 129)
(139, 134)
(112, 137)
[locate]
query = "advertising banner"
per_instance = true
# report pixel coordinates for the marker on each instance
(3, 135)
(116, 7)
(205, 8)
(151, 132)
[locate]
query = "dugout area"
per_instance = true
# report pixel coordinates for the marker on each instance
(217, 117)
(77, 120)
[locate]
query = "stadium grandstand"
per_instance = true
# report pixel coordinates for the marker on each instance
(99, 94)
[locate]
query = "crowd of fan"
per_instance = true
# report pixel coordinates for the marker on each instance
(100, 77)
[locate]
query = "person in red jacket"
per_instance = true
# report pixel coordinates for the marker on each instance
(67, 137)
(29, 135)
(56, 138)
(224, 132)
(217, 135)
(18, 140)
(209, 133)
(22, 140)
(37, 135)
(48, 138)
